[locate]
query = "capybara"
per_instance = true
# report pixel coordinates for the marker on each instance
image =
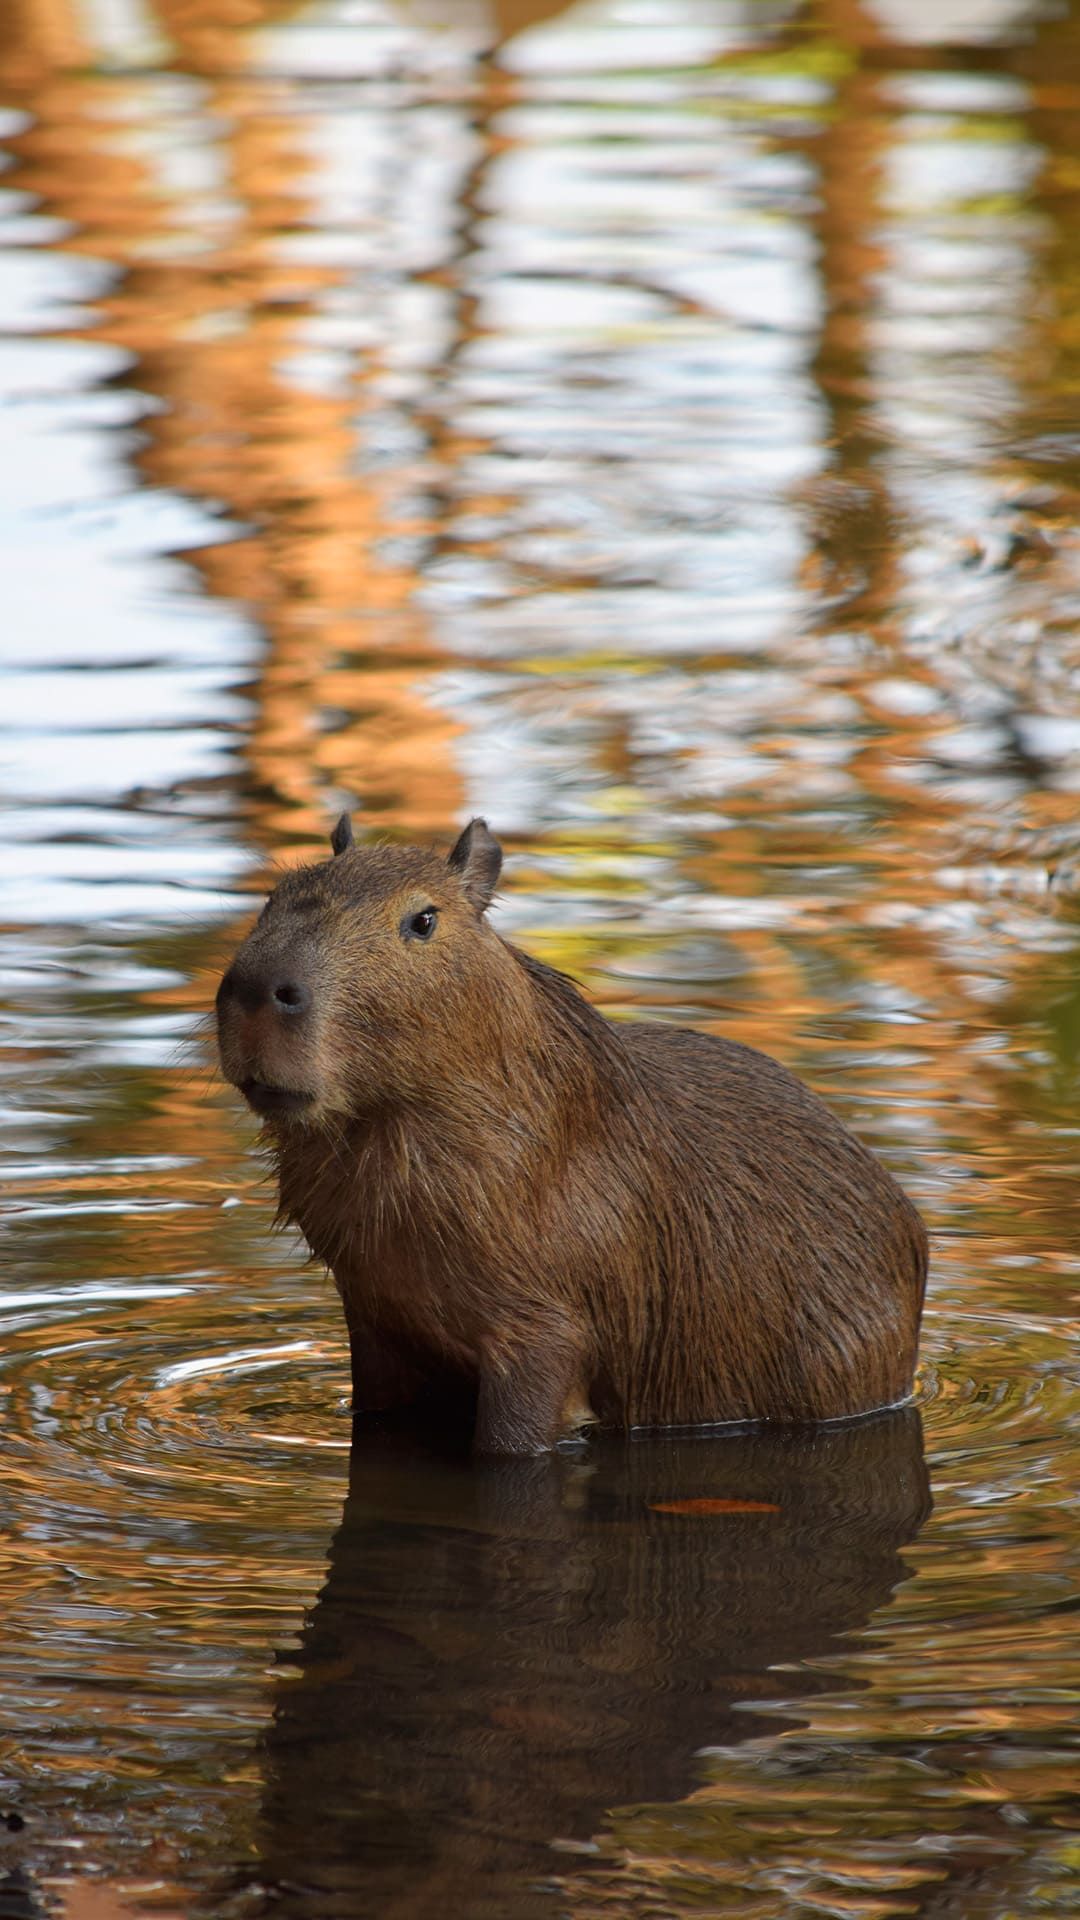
(565, 1217)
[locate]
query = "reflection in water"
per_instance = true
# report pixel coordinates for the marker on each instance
(653, 425)
(502, 1654)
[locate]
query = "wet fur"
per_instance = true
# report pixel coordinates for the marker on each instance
(571, 1217)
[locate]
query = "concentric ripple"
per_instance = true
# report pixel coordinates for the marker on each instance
(89, 1394)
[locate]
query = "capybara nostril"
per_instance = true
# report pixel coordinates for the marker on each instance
(292, 998)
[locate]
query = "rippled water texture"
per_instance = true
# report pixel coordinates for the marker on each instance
(653, 424)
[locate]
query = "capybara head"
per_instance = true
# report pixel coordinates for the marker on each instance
(364, 981)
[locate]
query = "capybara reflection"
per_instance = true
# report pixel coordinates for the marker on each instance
(568, 1218)
(505, 1652)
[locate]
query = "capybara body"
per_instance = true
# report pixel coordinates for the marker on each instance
(573, 1218)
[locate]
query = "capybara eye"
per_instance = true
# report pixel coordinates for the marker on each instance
(419, 926)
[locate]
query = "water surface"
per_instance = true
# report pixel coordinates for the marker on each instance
(654, 426)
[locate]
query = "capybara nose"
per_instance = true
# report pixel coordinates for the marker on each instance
(257, 987)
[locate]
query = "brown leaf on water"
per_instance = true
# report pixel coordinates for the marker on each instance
(712, 1506)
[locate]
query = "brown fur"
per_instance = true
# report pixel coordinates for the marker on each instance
(573, 1217)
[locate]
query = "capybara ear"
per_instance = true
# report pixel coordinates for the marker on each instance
(477, 858)
(341, 838)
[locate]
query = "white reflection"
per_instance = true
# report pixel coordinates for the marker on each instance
(238, 1360)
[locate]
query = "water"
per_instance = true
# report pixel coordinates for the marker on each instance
(655, 426)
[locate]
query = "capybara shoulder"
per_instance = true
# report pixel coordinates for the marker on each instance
(539, 1213)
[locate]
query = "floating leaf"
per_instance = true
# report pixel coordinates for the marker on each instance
(713, 1506)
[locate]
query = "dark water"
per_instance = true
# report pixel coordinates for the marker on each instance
(656, 426)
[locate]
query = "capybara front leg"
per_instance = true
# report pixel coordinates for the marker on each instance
(383, 1376)
(531, 1398)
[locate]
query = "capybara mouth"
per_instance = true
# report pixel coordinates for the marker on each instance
(268, 1101)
